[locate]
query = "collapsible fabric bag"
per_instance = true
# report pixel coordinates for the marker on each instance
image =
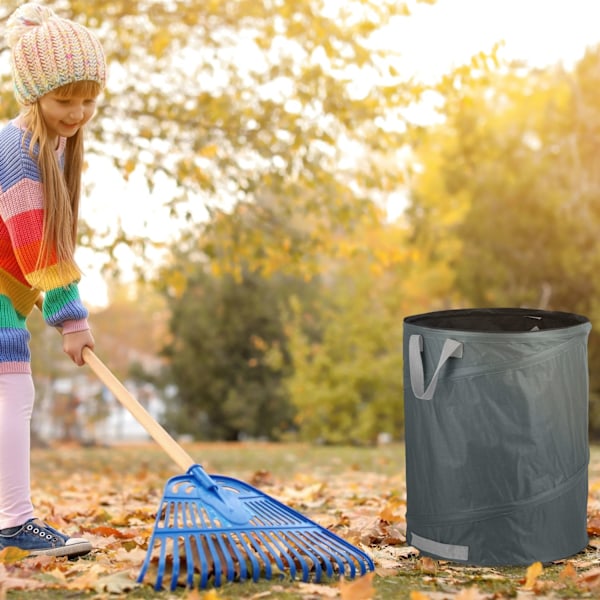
(496, 417)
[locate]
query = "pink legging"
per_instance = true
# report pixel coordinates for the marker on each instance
(16, 405)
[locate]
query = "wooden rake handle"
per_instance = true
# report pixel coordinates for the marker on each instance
(141, 415)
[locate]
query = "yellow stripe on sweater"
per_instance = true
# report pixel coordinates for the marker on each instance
(22, 297)
(56, 276)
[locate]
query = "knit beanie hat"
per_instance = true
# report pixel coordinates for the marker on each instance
(48, 52)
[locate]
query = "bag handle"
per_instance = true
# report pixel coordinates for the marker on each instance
(451, 349)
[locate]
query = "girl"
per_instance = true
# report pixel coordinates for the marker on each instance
(58, 70)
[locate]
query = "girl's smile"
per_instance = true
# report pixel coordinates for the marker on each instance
(65, 116)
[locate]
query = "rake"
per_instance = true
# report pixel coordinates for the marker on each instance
(218, 529)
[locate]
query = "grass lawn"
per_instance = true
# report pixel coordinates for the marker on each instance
(111, 495)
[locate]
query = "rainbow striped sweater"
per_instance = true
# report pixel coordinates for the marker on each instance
(21, 223)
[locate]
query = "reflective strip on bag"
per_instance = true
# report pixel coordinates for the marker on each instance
(447, 551)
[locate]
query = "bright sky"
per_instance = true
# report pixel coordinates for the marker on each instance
(435, 38)
(432, 41)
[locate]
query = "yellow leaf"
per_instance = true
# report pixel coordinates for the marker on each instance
(11, 555)
(209, 151)
(390, 513)
(160, 42)
(128, 168)
(210, 595)
(533, 572)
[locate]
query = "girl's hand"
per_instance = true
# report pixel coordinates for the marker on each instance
(74, 343)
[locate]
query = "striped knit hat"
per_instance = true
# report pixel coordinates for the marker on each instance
(48, 52)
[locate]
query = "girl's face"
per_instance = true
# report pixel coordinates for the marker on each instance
(65, 116)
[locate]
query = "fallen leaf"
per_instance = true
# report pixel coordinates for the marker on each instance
(593, 527)
(261, 478)
(116, 583)
(427, 565)
(210, 595)
(393, 512)
(11, 555)
(591, 578)
(533, 572)
(568, 573)
(86, 580)
(110, 531)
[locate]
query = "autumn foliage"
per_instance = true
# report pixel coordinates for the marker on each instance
(276, 140)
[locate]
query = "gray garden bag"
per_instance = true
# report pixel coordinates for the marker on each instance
(497, 453)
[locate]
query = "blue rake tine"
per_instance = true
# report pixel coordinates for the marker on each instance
(189, 553)
(147, 560)
(162, 563)
(175, 545)
(175, 567)
(189, 562)
(216, 559)
(166, 510)
(253, 548)
(226, 554)
(204, 570)
(188, 515)
(272, 555)
(249, 555)
(280, 551)
(292, 547)
(198, 540)
(317, 560)
(329, 550)
(231, 547)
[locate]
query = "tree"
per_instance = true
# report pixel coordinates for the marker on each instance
(224, 98)
(347, 351)
(227, 356)
(498, 177)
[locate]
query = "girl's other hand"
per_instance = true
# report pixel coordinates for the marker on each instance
(74, 343)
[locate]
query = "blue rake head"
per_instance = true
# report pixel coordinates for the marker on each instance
(215, 529)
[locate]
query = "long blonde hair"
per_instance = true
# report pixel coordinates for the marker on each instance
(61, 187)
